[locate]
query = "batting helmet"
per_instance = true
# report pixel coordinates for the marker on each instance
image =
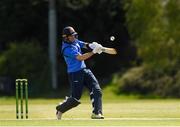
(68, 31)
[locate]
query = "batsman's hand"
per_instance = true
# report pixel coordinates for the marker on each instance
(97, 49)
(94, 45)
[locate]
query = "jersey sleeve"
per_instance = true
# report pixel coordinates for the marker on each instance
(81, 43)
(71, 52)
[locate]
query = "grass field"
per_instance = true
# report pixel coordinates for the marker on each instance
(118, 112)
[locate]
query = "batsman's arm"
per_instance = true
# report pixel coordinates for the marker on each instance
(86, 46)
(84, 56)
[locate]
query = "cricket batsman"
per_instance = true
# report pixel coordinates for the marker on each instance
(79, 75)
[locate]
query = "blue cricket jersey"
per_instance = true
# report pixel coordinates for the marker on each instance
(70, 51)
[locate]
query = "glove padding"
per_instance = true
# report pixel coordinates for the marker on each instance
(99, 51)
(93, 45)
(96, 47)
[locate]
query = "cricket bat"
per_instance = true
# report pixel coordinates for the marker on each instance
(111, 51)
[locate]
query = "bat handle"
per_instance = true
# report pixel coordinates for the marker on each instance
(103, 49)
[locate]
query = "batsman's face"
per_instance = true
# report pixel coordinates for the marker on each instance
(71, 38)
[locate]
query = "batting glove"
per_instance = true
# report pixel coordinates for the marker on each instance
(97, 49)
(93, 45)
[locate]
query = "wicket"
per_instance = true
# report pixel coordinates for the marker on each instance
(21, 89)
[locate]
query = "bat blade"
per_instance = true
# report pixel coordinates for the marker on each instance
(111, 51)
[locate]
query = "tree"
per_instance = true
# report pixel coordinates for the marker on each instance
(154, 27)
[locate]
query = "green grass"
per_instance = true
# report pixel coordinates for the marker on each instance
(118, 112)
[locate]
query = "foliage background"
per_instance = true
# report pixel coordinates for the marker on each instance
(157, 41)
(147, 41)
